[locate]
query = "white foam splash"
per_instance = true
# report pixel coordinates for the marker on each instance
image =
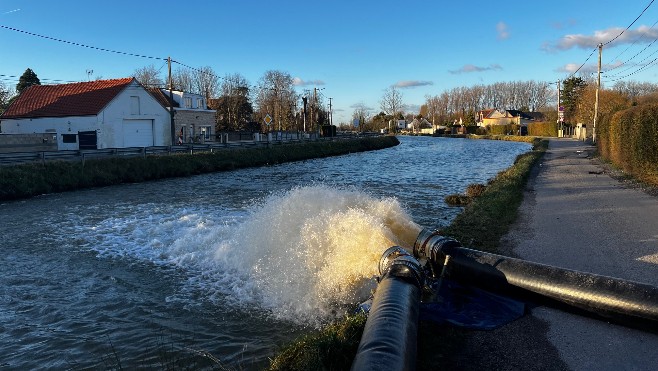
(301, 255)
(304, 254)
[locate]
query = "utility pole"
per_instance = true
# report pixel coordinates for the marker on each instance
(559, 119)
(304, 99)
(331, 118)
(171, 103)
(596, 101)
(315, 102)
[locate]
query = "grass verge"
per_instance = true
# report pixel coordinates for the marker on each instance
(481, 225)
(22, 181)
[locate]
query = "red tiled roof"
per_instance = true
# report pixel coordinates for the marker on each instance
(77, 99)
(160, 96)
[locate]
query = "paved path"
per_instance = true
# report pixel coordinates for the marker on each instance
(575, 216)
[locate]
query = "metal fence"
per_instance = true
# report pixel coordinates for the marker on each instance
(14, 158)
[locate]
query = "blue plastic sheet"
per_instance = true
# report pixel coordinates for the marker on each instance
(470, 307)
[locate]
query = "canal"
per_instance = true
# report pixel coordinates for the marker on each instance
(219, 267)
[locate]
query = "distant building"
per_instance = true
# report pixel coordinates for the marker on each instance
(507, 117)
(98, 114)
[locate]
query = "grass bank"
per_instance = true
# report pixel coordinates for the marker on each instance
(481, 225)
(22, 181)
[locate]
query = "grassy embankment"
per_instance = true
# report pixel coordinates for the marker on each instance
(481, 225)
(22, 181)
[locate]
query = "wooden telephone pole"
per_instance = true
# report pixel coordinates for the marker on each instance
(171, 103)
(596, 101)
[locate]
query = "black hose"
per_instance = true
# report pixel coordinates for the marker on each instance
(627, 302)
(389, 337)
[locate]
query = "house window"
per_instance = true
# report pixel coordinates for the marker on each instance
(199, 103)
(205, 131)
(69, 138)
(188, 102)
(134, 105)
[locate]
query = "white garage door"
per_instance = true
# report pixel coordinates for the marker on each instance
(137, 133)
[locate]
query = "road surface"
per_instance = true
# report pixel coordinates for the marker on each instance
(575, 215)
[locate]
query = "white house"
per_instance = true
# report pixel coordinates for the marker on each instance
(91, 115)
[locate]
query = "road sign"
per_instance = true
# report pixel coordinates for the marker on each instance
(268, 119)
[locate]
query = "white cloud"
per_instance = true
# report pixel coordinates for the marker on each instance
(468, 68)
(361, 106)
(412, 84)
(12, 11)
(601, 37)
(299, 82)
(503, 31)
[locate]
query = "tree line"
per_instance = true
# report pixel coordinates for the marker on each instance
(242, 106)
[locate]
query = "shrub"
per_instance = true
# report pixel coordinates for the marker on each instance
(630, 140)
(475, 190)
(457, 200)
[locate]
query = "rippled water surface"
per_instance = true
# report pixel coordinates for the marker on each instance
(223, 267)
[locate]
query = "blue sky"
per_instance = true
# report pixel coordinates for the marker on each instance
(352, 49)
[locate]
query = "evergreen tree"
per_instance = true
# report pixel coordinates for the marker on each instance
(572, 90)
(27, 79)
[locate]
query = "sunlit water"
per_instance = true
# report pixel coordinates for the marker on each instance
(231, 265)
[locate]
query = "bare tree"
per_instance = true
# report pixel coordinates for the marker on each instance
(362, 114)
(182, 80)
(391, 102)
(149, 76)
(276, 96)
(205, 82)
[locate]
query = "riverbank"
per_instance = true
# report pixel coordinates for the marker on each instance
(23, 181)
(480, 225)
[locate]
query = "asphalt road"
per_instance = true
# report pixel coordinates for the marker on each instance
(576, 215)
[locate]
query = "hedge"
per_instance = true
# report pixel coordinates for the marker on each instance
(630, 141)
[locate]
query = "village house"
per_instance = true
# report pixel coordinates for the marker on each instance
(506, 117)
(98, 114)
(194, 121)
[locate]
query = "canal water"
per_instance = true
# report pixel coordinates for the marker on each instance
(224, 267)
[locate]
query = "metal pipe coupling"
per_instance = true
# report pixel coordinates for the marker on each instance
(398, 262)
(430, 245)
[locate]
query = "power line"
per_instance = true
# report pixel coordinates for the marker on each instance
(582, 65)
(79, 44)
(613, 39)
(633, 57)
(635, 41)
(16, 78)
(632, 23)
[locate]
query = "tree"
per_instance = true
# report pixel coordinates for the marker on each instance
(234, 109)
(572, 89)
(149, 76)
(362, 114)
(5, 97)
(182, 80)
(27, 79)
(276, 96)
(205, 82)
(610, 102)
(391, 102)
